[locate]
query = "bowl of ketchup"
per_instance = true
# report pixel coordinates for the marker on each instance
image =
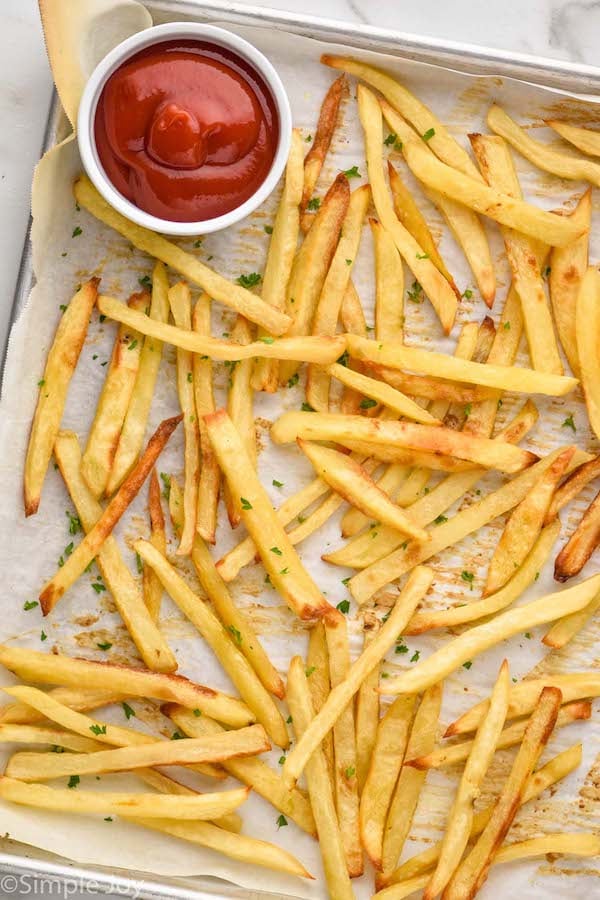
(184, 128)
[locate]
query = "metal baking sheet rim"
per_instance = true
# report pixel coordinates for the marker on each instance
(25, 865)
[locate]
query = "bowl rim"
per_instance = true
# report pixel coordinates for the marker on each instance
(125, 50)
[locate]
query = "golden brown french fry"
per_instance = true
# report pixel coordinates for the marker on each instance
(341, 694)
(317, 663)
(585, 139)
(216, 748)
(475, 640)
(186, 264)
(50, 668)
(210, 476)
(54, 384)
(79, 699)
(580, 546)
(553, 771)
(567, 627)
(367, 708)
(407, 457)
(472, 872)
(152, 588)
(573, 486)
(92, 543)
(497, 165)
(430, 388)
(410, 782)
(280, 257)
(312, 264)
(281, 561)
(383, 393)
(567, 268)
(140, 624)
(334, 287)
(352, 482)
(389, 284)
(319, 788)
(240, 409)
(587, 329)
(544, 157)
(524, 695)
(460, 819)
(180, 302)
(222, 642)
(197, 806)
(113, 402)
(386, 762)
(428, 362)
(344, 744)
(439, 440)
(524, 525)
(251, 771)
(351, 313)
(131, 438)
(525, 575)
(437, 289)
(54, 737)
(319, 148)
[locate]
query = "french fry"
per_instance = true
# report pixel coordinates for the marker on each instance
(156, 806)
(525, 575)
(240, 409)
(429, 388)
(334, 287)
(186, 264)
(222, 642)
(553, 771)
(497, 165)
(524, 695)
(524, 525)
(49, 668)
(92, 543)
(415, 589)
(280, 257)
(437, 289)
(585, 139)
(382, 393)
(428, 362)
(542, 156)
(389, 285)
(566, 628)
(460, 819)
(407, 457)
(152, 588)
(317, 663)
(312, 264)
(386, 763)
(210, 476)
(579, 710)
(180, 302)
(319, 788)
(351, 313)
(79, 699)
(54, 384)
(113, 403)
(281, 561)
(216, 748)
(251, 771)
(587, 329)
(410, 782)
(580, 546)
(473, 871)
(572, 486)
(440, 440)
(131, 438)
(322, 350)
(367, 709)
(352, 482)
(55, 737)
(315, 157)
(475, 640)
(138, 619)
(567, 268)
(345, 782)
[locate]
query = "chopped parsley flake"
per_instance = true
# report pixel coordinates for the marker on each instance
(468, 577)
(104, 645)
(368, 403)
(467, 664)
(276, 551)
(344, 606)
(415, 294)
(276, 483)
(293, 381)
(30, 604)
(98, 729)
(306, 407)
(352, 173)
(236, 634)
(73, 781)
(145, 282)
(314, 203)
(245, 503)
(440, 520)
(77, 231)
(429, 134)
(250, 280)
(129, 712)
(281, 821)
(268, 229)
(308, 671)
(569, 423)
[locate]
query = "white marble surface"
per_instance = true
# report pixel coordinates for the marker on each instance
(568, 29)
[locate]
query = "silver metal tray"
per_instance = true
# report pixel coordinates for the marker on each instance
(21, 865)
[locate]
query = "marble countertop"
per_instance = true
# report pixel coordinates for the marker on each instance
(565, 29)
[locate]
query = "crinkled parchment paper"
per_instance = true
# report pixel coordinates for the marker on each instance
(29, 550)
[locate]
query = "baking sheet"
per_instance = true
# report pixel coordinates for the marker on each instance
(84, 618)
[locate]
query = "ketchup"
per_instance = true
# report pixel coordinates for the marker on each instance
(186, 130)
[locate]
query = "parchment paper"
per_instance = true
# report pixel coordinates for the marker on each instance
(30, 549)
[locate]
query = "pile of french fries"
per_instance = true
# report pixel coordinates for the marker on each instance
(396, 435)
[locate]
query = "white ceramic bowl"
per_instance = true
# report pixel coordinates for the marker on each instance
(128, 48)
